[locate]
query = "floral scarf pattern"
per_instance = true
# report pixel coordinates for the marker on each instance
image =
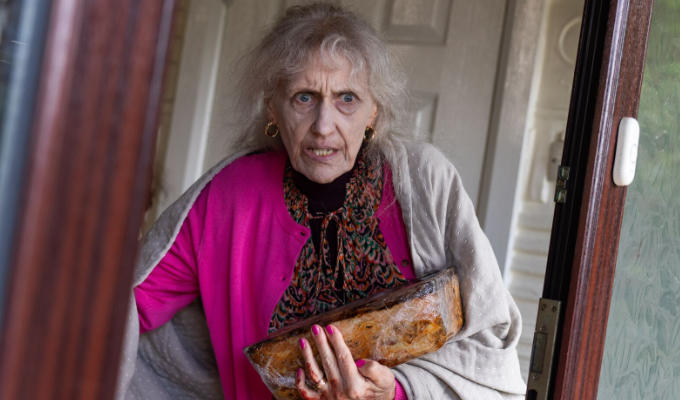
(364, 265)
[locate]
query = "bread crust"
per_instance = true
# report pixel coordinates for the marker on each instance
(392, 327)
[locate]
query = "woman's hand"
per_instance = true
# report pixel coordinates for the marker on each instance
(341, 377)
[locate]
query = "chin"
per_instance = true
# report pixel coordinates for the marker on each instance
(321, 177)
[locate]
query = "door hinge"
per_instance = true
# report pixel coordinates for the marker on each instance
(543, 349)
(561, 185)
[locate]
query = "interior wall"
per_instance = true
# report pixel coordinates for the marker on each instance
(507, 128)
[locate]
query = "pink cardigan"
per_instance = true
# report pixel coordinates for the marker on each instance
(237, 249)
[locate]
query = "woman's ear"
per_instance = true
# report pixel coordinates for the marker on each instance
(270, 109)
(374, 116)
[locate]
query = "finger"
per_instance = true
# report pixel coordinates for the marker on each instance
(330, 365)
(376, 373)
(306, 392)
(314, 372)
(348, 370)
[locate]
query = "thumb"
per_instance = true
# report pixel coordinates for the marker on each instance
(375, 372)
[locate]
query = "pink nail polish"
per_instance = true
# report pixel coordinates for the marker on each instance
(315, 330)
(360, 363)
(299, 373)
(302, 343)
(329, 329)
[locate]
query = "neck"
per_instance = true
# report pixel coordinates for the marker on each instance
(324, 197)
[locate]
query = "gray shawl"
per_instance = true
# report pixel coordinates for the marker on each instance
(480, 362)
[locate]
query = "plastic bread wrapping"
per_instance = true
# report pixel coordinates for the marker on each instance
(391, 327)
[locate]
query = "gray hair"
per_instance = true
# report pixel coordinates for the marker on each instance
(305, 31)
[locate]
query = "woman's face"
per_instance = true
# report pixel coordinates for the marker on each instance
(322, 113)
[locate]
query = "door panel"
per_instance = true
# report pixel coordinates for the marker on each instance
(642, 347)
(455, 76)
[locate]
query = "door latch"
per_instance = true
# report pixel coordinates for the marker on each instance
(561, 185)
(543, 349)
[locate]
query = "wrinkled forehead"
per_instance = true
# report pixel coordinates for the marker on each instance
(351, 67)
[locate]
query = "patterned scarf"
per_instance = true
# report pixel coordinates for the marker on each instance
(364, 265)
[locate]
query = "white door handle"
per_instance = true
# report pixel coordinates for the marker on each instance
(625, 158)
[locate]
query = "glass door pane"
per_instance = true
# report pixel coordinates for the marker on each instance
(642, 348)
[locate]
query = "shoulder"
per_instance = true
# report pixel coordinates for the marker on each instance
(425, 162)
(250, 173)
(421, 153)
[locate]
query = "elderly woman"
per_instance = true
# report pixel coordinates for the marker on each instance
(324, 206)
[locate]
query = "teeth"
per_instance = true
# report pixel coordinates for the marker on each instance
(322, 152)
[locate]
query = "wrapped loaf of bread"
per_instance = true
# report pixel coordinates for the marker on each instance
(392, 327)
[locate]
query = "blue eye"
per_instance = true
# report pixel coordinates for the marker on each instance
(304, 97)
(348, 97)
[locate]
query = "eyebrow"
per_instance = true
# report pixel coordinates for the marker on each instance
(303, 89)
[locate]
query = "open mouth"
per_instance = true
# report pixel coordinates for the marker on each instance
(322, 152)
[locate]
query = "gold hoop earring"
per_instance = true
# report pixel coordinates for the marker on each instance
(369, 133)
(271, 129)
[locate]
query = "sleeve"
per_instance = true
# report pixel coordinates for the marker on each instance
(173, 282)
(481, 361)
(399, 393)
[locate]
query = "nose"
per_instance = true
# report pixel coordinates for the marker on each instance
(324, 123)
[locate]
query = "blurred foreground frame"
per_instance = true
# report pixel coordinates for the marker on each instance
(82, 191)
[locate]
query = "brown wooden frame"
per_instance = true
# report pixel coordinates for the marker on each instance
(84, 194)
(585, 238)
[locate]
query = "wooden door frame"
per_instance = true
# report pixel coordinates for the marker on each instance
(83, 196)
(585, 234)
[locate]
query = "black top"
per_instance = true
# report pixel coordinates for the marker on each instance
(324, 198)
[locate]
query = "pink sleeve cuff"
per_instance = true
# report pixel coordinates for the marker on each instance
(399, 393)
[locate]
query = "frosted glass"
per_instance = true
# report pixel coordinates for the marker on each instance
(642, 349)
